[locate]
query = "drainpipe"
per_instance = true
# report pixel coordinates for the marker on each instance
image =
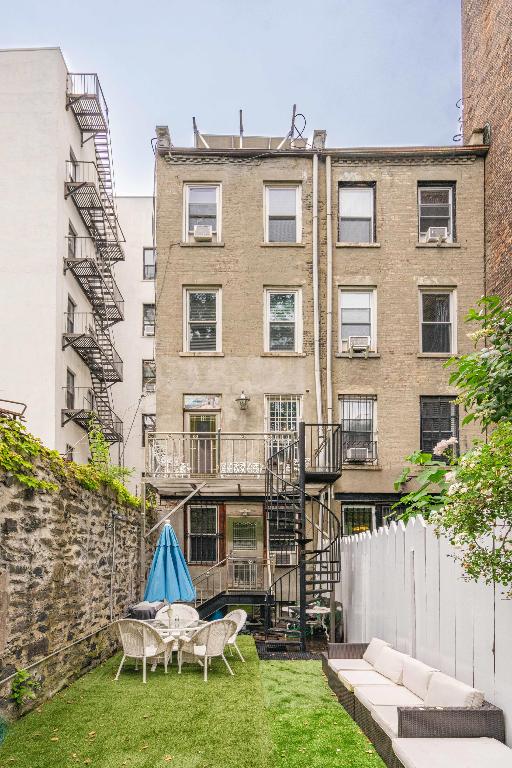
(316, 309)
(328, 195)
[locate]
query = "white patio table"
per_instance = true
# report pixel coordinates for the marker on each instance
(319, 612)
(177, 633)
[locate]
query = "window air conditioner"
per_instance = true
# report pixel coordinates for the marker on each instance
(359, 344)
(437, 234)
(358, 454)
(284, 559)
(203, 233)
(150, 386)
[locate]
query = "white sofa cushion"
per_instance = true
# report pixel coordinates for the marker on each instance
(390, 663)
(416, 676)
(375, 646)
(352, 664)
(387, 718)
(351, 678)
(446, 691)
(386, 695)
(452, 753)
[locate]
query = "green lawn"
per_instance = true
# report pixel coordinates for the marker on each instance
(270, 715)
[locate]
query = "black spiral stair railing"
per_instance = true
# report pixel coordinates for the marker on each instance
(303, 531)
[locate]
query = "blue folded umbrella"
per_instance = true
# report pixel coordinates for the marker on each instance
(169, 577)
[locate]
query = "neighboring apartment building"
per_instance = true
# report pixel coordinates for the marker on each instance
(324, 285)
(487, 92)
(135, 337)
(59, 242)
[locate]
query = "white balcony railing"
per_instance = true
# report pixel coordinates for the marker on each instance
(212, 454)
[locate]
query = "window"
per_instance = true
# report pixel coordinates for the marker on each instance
(283, 413)
(436, 209)
(70, 389)
(72, 167)
(283, 321)
(283, 214)
(148, 320)
(148, 374)
(202, 207)
(244, 534)
(357, 313)
(357, 519)
(89, 400)
(69, 452)
(203, 325)
(358, 428)
(437, 333)
(148, 425)
(356, 222)
(70, 316)
(71, 241)
(439, 420)
(149, 263)
(203, 531)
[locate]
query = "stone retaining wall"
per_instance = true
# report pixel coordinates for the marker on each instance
(69, 566)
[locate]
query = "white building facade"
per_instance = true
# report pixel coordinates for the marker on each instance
(59, 243)
(135, 337)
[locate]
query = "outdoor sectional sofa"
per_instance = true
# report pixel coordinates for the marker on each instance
(393, 696)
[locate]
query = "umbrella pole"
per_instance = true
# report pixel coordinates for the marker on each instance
(142, 555)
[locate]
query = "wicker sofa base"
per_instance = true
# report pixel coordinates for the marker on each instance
(376, 735)
(345, 697)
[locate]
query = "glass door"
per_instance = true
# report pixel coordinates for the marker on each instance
(203, 442)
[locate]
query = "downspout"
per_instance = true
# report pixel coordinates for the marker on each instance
(316, 303)
(328, 195)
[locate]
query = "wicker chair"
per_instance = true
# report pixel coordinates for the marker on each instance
(141, 641)
(184, 614)
(206, 643)
(239, 616)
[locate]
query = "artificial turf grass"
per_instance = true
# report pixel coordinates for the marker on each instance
(270, 715)
(308, 727)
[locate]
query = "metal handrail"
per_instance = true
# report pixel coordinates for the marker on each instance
(86, 84)
(84, 248)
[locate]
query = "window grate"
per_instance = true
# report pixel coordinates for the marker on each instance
(358, 439)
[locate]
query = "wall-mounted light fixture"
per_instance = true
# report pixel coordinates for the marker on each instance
(243, 401)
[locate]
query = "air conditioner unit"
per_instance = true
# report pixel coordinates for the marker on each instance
(437, 234)
(284, 559)
(359, 344)
(203, 233)
(150, 386)
(361, 453)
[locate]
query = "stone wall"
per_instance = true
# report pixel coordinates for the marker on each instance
(69, 566)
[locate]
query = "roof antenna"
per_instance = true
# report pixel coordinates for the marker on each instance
(197, 134)
(241, 130)
(289, 135)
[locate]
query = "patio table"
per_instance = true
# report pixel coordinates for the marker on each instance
(319, 612)
(177, 633)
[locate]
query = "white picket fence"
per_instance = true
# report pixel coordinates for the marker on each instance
(401, 584)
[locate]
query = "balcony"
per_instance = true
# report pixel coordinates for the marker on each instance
(95, 278)
(92, 343)
(95, 206)
(84, 96)
(81, 405)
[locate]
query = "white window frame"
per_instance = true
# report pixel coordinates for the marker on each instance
(189, 237)
(298, 320)
(452, 292)
(298, 208)
(282, 397)
(148, 335)
(436, 188)
(343, 349)
(218, 308)
(214, 536)
(366, 186)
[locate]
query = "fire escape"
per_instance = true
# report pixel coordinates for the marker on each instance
(90, 259)
(303, 528)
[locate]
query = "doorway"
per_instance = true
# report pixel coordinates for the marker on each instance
(203, 448)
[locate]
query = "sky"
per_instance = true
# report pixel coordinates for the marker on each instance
(371, 72)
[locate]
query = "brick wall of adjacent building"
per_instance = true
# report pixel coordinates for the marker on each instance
(487, 91)
(64, 575)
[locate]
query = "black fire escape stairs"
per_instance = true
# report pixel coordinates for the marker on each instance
(303, 528)
(90, 259)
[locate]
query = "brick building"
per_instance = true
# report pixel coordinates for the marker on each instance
(304, 284)
(487, 91)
